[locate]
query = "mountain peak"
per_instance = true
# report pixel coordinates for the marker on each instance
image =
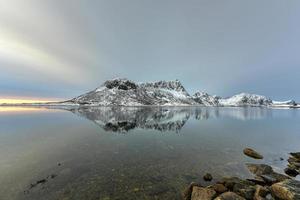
(118, 83)
(206, 99)
(246, 99)
(169, 85)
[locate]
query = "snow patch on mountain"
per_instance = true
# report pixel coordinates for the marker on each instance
(289, 102)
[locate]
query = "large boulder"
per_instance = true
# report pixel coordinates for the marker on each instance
(187, 193)
(230, 182)
(260, 193)
(265, 173)
(274, 177)
(293, 168)
(201, 193)
(244, 190)
(296, 155)
(287, 190)
(259, 169)
(291, 171)
(229, 196)
(219, 188)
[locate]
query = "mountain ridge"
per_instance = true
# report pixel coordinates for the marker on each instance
(124, 92)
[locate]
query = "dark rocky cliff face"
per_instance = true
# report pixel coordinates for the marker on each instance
(122, 84)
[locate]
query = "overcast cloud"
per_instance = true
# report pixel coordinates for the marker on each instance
(60, 49)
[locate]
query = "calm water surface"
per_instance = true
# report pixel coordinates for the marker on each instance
(134, 153)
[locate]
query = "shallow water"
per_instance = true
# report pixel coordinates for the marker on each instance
(134, 153)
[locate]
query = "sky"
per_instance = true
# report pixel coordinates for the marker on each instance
(58, 49)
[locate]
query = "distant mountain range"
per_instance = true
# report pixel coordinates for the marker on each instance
(124, 92)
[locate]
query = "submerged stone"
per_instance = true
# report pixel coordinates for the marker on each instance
(252, 153)
(207, 177)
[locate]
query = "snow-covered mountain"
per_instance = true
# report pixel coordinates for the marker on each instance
(124, 92)
(284, 103)
(205, 99)
(245, 99)
(242, 99)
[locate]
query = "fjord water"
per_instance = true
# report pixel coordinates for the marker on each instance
(135, 152)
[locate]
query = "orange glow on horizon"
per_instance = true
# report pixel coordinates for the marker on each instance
(11, 100)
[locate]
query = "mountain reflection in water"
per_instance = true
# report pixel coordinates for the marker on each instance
(124, 119)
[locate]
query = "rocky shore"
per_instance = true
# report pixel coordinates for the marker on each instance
(265, 185)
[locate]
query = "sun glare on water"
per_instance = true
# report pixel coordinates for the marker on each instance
(19, 109)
